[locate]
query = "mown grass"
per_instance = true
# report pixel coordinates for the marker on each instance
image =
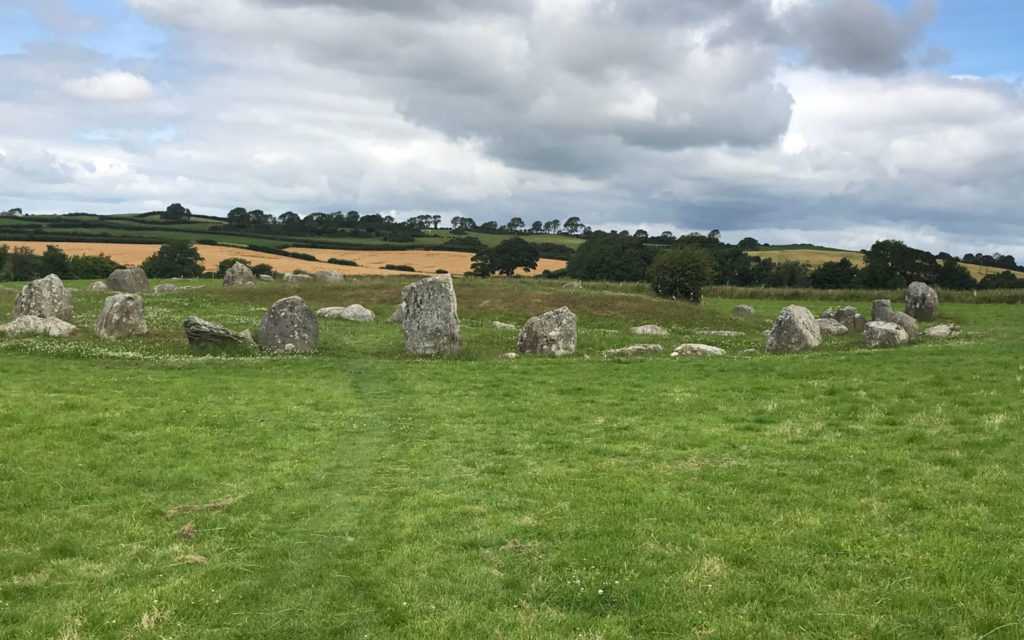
(839, 494)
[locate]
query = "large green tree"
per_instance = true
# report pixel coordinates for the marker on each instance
(176, 258)
(682, 272)
(506, 257)
(611, 256)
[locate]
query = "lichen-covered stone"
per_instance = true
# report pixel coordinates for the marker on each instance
(46, 298)
(130, 280)
(123, 315)
(354, 312)
(430, 325)
(922, 301)
(551, 333)
(795, 329)
(239, 275)
(881, 334)
(289, 326)
(201, 333)
(695, 349)
(27, 325)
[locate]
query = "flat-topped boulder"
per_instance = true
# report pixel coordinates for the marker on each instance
(922, 302)
(354, 312)
(239, 275)
(430, 325)
(552, 333)
(165, 288)
(879, 334)
(633, 350)
(330, 277)
(297, 277)
(848, 316)
(882, 311)
(266, 277)
(696, 349)
(201, 333)
(289, 326)
(130, 280)
(505, 326)
(649, 330)
(123, 315)
(743, 311)
(722, 334)
(833, 327)
(34, 325)
(97, 287)
(794, 330)
(45, 298)
(943, 331)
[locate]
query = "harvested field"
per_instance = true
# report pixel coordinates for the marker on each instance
(815, 257)
(423, 261)
(370, 262)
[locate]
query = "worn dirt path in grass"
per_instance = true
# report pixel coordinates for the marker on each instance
(370, 262)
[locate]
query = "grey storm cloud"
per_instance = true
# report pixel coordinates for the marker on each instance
(862, 36)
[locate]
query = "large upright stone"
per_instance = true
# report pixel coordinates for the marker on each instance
(552, 333)
(431, 322)
(131, 280)
(922, 301)
(795, 329)
(881, 311)
(239, 275)
(46, 298)
(289, 326)
(123, 315)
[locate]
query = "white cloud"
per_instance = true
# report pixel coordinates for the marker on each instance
(112, 85)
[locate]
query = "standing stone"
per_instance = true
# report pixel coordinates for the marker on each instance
(132, 280)
(239, 275)
(46, 297)
(881, 311)
(743, 311)
(795, 329)
(832, 327)
(922, 301)
(399, 315)
(850, 318)
(552, 333)
(879, 334)
(431, 322)
(97, 286)
(201, 333)
(330, 277)
(123, 315)
(289, 326)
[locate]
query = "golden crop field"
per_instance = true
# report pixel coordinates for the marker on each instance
(370, 262)
(815, 257)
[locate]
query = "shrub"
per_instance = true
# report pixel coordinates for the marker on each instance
(176, 258)
(441, 271)
(682, 273)
(610, 256)
(342, 261)
(398, 267)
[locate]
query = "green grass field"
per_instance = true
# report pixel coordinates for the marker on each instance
(360, 493)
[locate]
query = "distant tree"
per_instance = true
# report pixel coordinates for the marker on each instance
(515, 225)
(893, 262)
(54, 260)
(682, 272)
(16, 211)
(790, 274)
(238, 217)
(573, 226)
(88, 267)
(953, 275)
(352, 218)
(23, 264)
(176, 258)
(289, 217)
(537, 227)
(839, 274)
(436, 220)
(489, 227)
(715, 234)
(641, 234)
(257, 218)
(552, 226)
(506, 257)
(610, 256)
(748, 244)
(1001, 280)
(176, 212)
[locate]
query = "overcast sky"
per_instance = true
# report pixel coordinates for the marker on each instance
(837, 122)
